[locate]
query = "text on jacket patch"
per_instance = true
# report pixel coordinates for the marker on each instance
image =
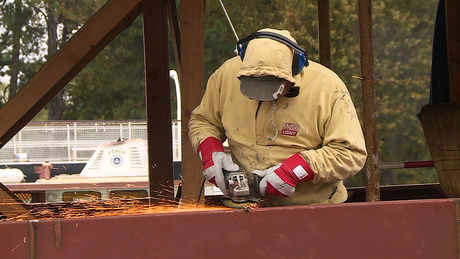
(290, 129)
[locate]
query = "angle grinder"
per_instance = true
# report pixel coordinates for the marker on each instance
(238, 188)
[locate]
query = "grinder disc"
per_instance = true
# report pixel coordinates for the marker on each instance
(228, 202)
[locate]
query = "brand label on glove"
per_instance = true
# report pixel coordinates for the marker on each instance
(300, 172)
(290, 129)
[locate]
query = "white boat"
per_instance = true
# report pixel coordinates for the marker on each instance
(115, 170)
(11, 175)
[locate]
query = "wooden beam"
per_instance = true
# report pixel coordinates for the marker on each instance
(324, 33)
(192, 88)
(366, 47)
(453, 50)
(11, 205)
(106, 24)
(158, 98)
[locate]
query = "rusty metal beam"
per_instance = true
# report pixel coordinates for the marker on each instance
(106, 24)
(368, 98)
(400, 229)
(324, 33)
(158, 98)
(192, 87)
(24, 187)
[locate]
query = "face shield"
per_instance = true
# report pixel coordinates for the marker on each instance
(264, 88)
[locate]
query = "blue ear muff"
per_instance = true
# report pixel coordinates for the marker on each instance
(300, 59)
(242, 50)
(298, 63)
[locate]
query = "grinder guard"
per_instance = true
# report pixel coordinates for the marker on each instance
(238, 187)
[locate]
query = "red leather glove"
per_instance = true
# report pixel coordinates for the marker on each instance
(283, 178)
(211, 152)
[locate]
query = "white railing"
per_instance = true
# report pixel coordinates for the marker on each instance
(62, 141)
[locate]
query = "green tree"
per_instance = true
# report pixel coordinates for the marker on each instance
(26, 26)
(20, 42)
(70, 15)
(403, 34)
(2, 90)
(112, 85)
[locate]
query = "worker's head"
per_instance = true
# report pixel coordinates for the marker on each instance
(271, 58)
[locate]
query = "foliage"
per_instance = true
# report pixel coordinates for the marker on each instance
(112, 85)
(26, 27)
(20, 42)
(2, 90)
(402, 64)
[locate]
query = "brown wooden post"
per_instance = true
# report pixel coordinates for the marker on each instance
(192, 89)
(158, 98)
(324, 33)
(453, 50)
(368, 96)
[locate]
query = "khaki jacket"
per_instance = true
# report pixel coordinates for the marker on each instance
(320, 123)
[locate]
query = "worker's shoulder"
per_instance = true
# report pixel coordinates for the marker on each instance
(229, 68)
(232, 63)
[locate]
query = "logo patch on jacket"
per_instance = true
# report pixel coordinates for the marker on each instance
(290, 129)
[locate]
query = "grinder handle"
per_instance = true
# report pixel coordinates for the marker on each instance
(255, 183)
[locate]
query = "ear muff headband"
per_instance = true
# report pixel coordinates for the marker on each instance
(300, 59)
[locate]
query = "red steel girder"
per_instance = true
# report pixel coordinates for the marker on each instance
(393, 229)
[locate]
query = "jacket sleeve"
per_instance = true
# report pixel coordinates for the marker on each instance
(343, 152)
(205, 119)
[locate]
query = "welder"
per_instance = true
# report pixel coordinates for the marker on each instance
(288, 120)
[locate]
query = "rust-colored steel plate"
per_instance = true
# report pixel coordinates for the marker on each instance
(393, 229)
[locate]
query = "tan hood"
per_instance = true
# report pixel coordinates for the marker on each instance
(266, 57)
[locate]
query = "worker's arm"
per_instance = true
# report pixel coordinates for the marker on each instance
(206, 134)
(205, 119)
(343, 152)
